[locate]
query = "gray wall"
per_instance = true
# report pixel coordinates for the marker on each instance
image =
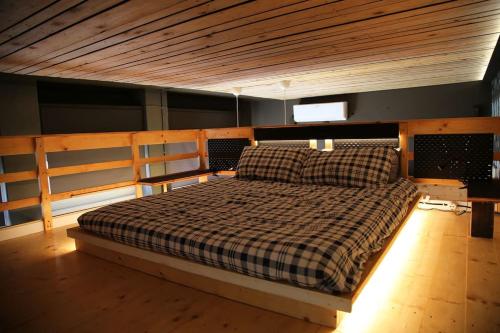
(74, 118)
(270, 111)
(155, 103)
(19, 107)
(192, 110)
(193, 118)
(452, 100)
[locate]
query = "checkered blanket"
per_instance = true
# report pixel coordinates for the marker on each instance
(310, 236)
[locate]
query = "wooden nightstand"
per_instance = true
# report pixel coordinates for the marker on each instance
(483, 196)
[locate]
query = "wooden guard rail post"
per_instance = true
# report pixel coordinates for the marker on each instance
(43, 180)
(202, 149)
(136, 156)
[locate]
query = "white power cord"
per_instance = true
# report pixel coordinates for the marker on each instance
(426, 203)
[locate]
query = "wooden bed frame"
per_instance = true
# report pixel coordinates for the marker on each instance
(310, 305)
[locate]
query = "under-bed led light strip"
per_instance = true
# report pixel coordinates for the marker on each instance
(387, 283)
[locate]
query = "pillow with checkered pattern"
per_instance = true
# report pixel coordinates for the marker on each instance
(280, 164)
(353, 167)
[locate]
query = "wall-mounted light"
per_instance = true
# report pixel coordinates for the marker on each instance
(284, 85)
(328, 144)
(236, 92)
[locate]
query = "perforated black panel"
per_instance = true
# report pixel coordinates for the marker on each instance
(357, 143)
(454, 156)
(224, 154)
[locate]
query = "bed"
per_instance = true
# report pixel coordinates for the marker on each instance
(310, 240)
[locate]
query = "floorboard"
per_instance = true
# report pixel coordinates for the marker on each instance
(436, 280)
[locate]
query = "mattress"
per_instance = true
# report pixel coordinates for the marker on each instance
(311, 236)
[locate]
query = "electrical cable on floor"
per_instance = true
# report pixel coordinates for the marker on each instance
(461, 212)
(447, 206)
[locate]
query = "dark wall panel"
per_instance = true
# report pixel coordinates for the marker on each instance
(61, 118)
(188, 111)
(50, 92)
(188, 119)
(83, 108)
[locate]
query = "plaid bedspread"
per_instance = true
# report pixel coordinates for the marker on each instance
(311, 236)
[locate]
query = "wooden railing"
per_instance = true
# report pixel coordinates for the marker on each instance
(476, 125)
(41, 145)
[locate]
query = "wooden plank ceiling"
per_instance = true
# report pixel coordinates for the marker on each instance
(322, 47)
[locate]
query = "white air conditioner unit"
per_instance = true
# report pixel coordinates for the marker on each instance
(306, 113)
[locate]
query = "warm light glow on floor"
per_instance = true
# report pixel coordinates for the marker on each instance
(377, 294)
(67, 247)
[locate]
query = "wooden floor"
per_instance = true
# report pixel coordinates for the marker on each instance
(435, 279)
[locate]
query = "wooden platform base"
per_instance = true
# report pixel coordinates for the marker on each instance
(310, 305)
(266, 300)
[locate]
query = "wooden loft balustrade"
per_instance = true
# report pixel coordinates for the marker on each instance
(454, 126)
(200, 137)
(472, 125)
(166, 137)
(77, 142)
(228, 133)
(40, 145)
